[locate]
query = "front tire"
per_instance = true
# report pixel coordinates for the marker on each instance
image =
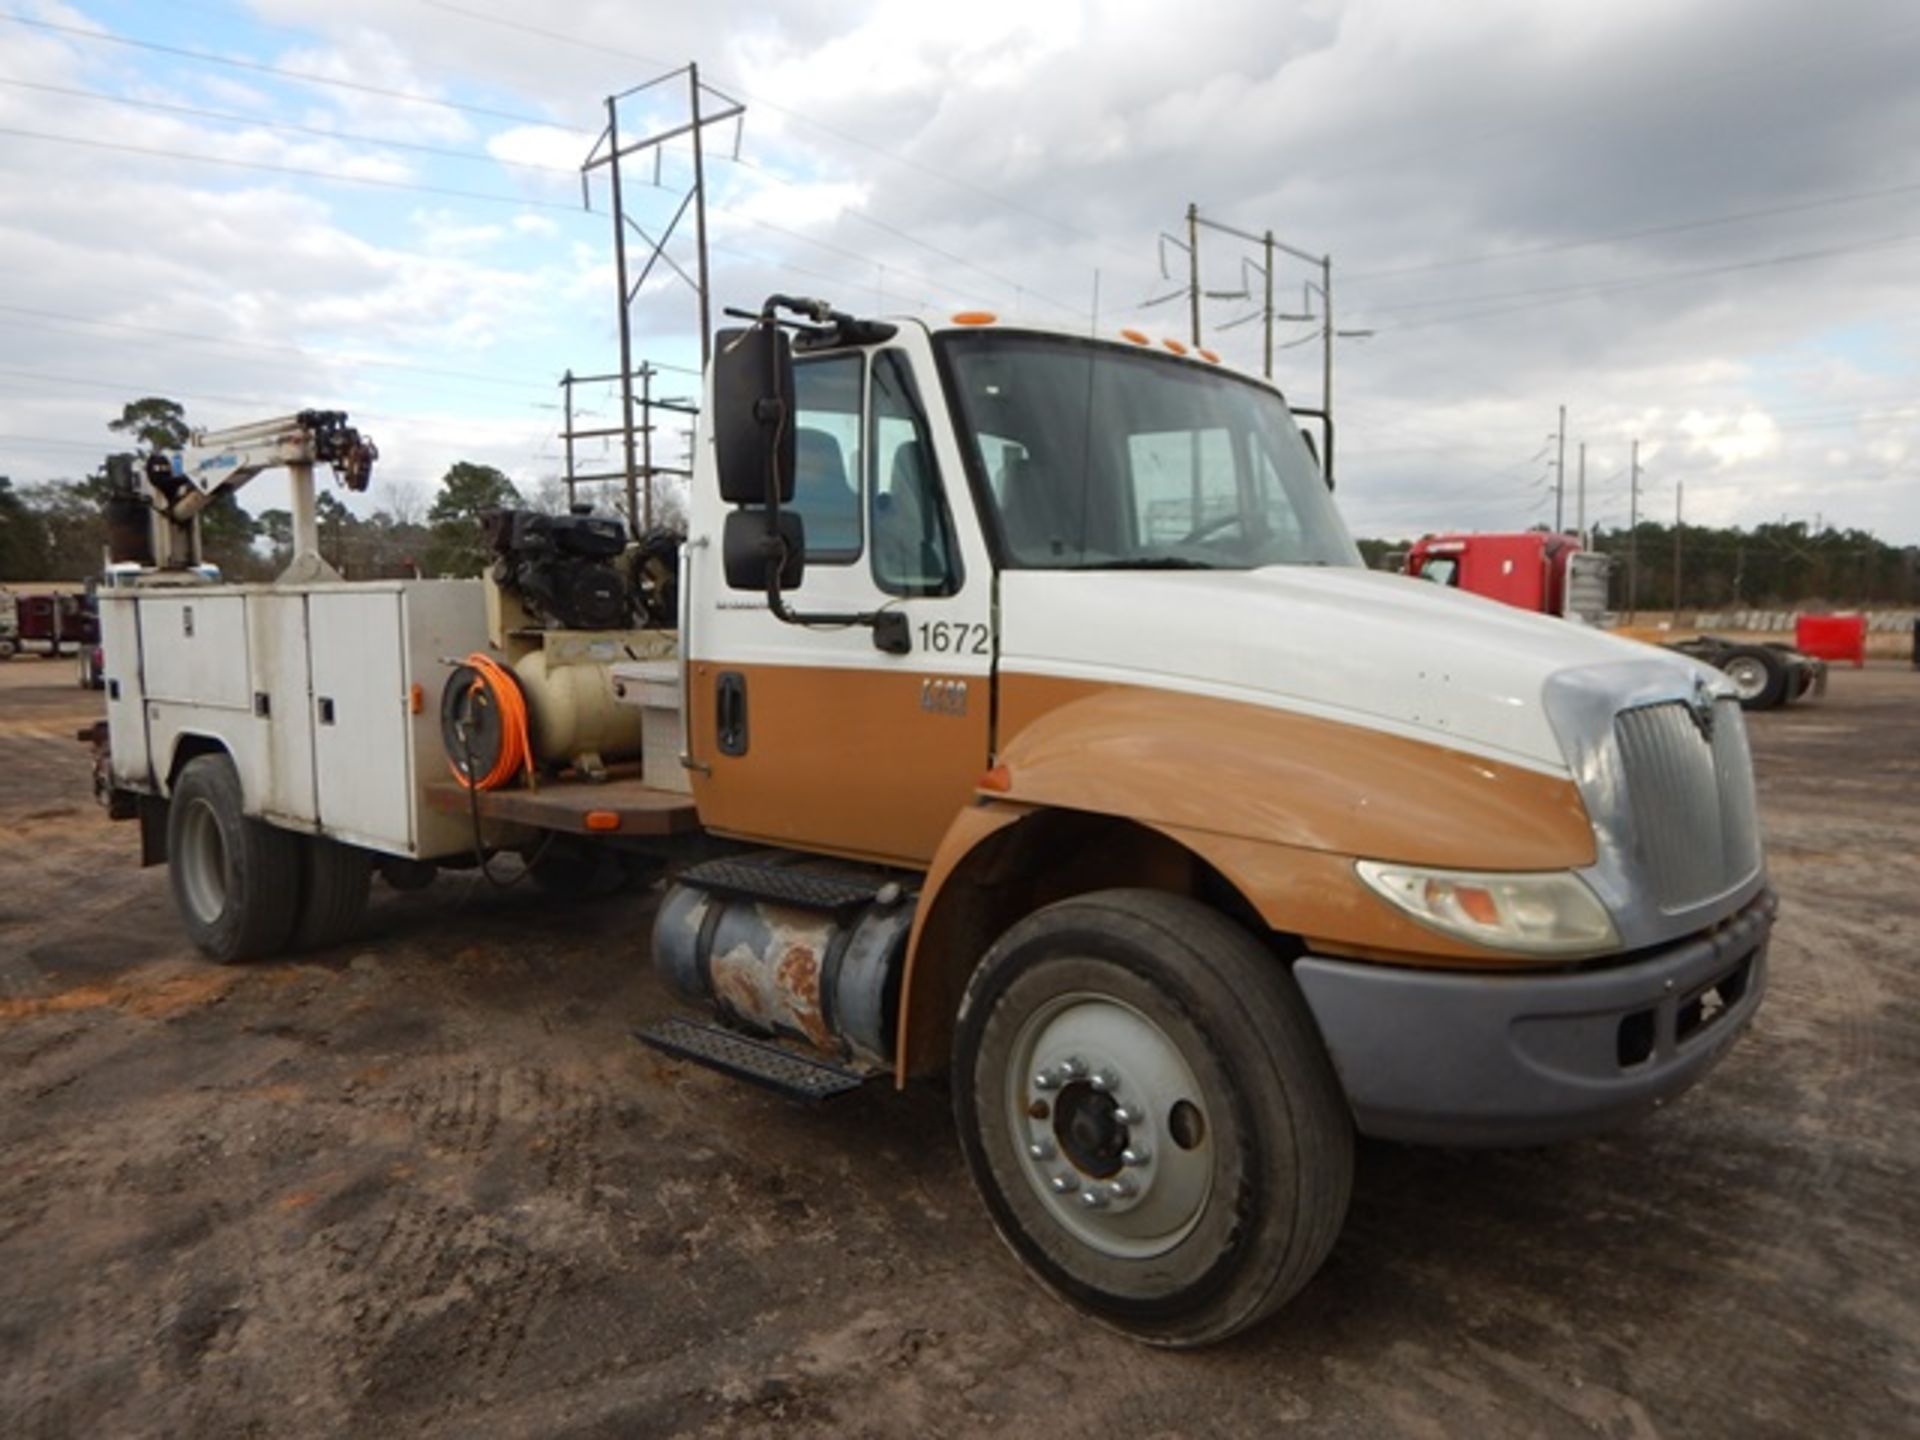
(1150, 1115)
(236, 881)
(1759, 677)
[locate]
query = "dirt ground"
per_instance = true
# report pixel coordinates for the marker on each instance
(428, 1184)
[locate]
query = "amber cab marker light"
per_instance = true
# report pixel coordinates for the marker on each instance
(1210, 357)
(1136, 336)
(975, 317)
(602, 820)
(999, 778)
(1175, 346)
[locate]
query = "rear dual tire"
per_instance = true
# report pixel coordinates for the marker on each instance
(245, 889)
(1150, 1116)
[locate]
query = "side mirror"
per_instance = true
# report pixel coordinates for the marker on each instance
(753, 433)
(752, 538)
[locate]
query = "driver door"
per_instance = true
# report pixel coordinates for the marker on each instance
(810, 736)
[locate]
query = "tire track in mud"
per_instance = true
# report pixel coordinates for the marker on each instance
(439, 1285)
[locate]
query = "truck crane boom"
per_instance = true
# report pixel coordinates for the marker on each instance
(180, 484)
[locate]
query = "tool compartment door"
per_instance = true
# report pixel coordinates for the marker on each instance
(362, 766)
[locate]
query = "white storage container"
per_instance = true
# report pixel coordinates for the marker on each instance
(654, 686)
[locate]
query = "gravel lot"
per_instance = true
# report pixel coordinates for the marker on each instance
(427, 1184)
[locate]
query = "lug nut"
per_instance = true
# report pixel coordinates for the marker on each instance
(1104, 1080)
(1075, 1067)
(1046, 1080)
(1041, 1150)
(1122, 1189)
(1134, 1155)
(1064, 1184)
(1129, 1115)
(1093, 1200)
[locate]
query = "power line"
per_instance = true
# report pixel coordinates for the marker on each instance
(1561, 294)
(443, 151)
(601, 48)
(206, 57)
(194, 338)
(335, 177)
(1674, 228)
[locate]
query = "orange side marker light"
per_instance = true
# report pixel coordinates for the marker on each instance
(998, 779)
(602, 820)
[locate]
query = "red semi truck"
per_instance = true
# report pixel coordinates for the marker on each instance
(1552, 574)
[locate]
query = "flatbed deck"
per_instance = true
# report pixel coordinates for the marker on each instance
(636, 807)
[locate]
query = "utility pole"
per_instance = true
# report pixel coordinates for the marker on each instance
(1679, 494)
(1267, 307)
(646, 442)
(1580, 504)
(1326, 336)
(1633, 530)
(566, 387)
(699, 222)
(608, 152)
(1193, 269)
(1560, 477)
(626, 299)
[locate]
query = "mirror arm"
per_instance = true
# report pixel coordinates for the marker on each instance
(890, 631)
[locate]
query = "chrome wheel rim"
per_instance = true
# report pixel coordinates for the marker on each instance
(1113, 1132)
(203, 861)
(1748, 675)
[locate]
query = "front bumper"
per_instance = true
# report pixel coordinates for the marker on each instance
(1522, 1059)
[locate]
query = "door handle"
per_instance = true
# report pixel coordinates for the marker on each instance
(730, 712)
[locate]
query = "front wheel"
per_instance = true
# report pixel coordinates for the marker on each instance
(1149, 1113)
(1759, 677)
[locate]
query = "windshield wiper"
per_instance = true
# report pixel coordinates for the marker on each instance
(1146, 562)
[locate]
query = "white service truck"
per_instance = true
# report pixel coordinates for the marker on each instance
(1021, 712)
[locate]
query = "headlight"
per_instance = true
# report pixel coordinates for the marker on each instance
(1545, 913)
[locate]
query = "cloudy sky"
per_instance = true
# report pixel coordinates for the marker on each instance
(1694, 224)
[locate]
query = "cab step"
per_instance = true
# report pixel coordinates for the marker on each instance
(759, 1062)
(788, 880)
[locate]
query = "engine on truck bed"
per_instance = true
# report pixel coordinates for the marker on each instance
(577, 572)
(563, 567)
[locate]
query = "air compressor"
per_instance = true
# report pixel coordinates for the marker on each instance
(567, 598)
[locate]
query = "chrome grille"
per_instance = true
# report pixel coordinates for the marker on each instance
(1696, 827)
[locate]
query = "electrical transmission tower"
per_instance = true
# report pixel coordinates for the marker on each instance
(703, 106)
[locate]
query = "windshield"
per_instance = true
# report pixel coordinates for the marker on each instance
(1100, 458)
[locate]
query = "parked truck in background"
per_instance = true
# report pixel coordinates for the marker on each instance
(1552, 574)
(1020, 712)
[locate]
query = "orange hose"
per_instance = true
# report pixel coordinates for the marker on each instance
(516, 747)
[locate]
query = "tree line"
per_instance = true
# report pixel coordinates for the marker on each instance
(54, 530)
(1783, 565)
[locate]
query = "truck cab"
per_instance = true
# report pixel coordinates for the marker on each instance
(1039, 727)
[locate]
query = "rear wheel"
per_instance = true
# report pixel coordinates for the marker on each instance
(334, 879)
(1150, 1115)
(1759, 677)
(235, 880)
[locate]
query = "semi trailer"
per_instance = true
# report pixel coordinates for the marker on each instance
(1552, 574)
(1016, 710)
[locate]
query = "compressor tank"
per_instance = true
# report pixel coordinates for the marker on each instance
(572, 711)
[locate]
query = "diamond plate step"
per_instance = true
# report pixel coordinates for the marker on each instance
(774, 1067)
(768, 879)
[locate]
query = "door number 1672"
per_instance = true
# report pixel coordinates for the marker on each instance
(949, 637)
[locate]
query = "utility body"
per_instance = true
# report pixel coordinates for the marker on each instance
(1018, 710)
(1551, 574)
